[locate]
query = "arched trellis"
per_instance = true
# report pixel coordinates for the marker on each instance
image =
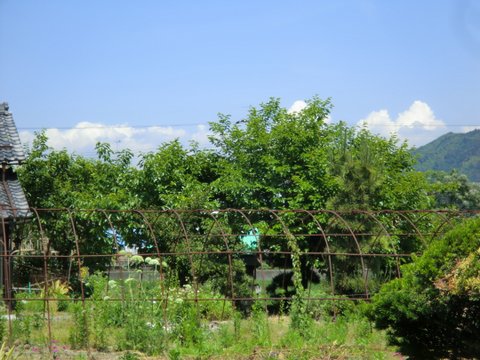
(165, 230)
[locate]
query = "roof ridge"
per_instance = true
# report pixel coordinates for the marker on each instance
(11, 149)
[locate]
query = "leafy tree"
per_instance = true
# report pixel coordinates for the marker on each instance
(374, 173)
(177, 178)
(453, 190)
(279, 160)
(59, 180)
(274, 159)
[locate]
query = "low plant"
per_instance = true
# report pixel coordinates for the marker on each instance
(79, 334)
(261, 329)
(58, 290)
(6, 353)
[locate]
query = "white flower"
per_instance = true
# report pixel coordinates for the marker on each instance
(154, 262)
(136, 259)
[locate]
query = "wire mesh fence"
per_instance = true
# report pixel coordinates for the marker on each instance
(105, 265)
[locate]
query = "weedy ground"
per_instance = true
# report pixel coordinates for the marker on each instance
(253, 339)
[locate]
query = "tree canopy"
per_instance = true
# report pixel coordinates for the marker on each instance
(272, 159)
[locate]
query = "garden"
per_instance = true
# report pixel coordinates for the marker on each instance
(289, 237)
(290, 292)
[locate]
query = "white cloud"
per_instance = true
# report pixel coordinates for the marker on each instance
(82, 137)
(418, 124)
(201, 135)
(297, 107)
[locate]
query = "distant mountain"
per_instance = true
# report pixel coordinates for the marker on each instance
(452, 151)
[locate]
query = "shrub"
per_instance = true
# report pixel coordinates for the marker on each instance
(432, 311)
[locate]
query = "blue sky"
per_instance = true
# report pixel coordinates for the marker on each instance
(137, 73)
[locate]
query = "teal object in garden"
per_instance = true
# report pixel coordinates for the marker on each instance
(250, 240)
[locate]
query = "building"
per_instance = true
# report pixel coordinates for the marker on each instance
(13, 203)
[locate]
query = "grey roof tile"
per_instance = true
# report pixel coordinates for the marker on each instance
(11, 150)
(13, 203)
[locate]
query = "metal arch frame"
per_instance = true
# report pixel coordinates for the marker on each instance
(178, 218)
(357, 244)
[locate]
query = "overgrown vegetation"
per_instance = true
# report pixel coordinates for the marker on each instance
(180, 328)
(271, 159)
(432, 311)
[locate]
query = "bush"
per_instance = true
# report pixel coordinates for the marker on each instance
(432, 311)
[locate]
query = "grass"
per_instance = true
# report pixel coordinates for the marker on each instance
(273, 338)
(139, 329)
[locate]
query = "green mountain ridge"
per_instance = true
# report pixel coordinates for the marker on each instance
(460, 151)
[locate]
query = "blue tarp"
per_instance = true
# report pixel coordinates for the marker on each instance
(251, 239)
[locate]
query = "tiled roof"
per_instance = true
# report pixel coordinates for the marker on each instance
(11, 151)
(13, 203)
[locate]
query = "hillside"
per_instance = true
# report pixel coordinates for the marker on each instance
(452, 151)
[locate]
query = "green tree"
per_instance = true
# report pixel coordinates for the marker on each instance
(279, 160)
(174, 177)
(453, 190)
(274, 159)
(59, 180)
(375, 173)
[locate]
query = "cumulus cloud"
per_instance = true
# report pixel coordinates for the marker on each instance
(418, 124)
(82, 137)
(297, 107)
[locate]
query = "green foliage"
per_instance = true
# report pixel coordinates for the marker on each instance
(274, 159)
(374, 173)
(177, 178)
(79, 334)
(3, 325)
(140, 320)
(453, 190)
(129, 356)
(57, 179)
(432, 310)
(138, 327)
(270, 159)
(259, 319)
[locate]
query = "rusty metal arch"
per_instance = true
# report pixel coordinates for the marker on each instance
(189, 250)
(446, 221)
(229, 255)
(282, 222)
(259, 247)
(45, 275)
(82, 289)
(327, 246)
(412, 224)
(6, 277)
(357, 244)
(383, 228)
